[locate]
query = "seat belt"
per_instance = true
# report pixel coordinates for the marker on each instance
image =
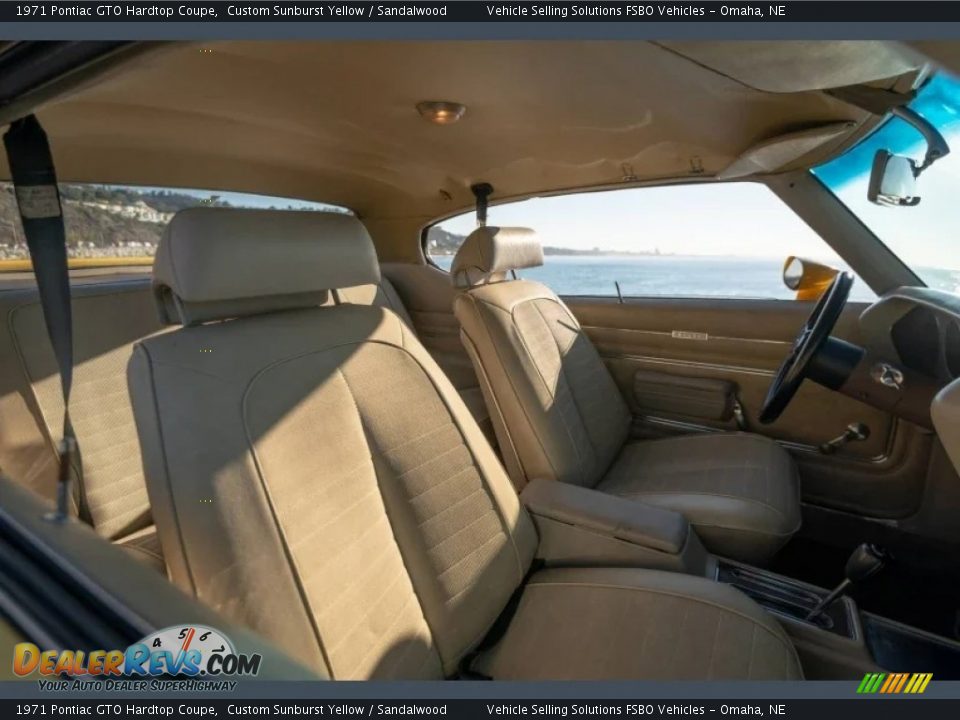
(38, 200)
(481, 193)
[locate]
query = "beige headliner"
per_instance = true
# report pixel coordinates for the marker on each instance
(335, 121)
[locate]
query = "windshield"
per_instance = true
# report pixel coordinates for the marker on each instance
(927, 236)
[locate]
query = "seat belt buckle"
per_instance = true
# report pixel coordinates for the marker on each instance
(67, 451)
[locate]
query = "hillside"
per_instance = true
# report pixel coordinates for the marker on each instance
(103, 221)
(441, 242)
(98, 222)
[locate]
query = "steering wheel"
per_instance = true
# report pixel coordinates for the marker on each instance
(810, 339)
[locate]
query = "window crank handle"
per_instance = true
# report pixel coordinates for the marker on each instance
(854, 432)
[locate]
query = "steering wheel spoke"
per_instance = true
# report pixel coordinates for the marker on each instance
(811, 338)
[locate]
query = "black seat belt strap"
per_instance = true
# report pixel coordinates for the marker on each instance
(38, 199)
(481, 192)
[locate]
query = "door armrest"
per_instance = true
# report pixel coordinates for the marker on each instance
(584, 527)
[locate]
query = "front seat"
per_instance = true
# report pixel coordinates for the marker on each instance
(559, 415)
(315, 476)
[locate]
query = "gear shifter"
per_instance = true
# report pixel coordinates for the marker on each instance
(866, 561)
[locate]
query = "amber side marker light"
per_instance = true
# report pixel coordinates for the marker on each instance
(441, 112)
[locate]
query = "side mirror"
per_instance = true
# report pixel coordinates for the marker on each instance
(893, 180)
(807, 278)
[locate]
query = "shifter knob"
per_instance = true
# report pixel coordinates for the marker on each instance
(866, 561)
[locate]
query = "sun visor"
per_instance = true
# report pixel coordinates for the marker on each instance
(778, 152)
(801, 66)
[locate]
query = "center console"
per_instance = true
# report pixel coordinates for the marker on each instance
(792, 599)
(841, 641)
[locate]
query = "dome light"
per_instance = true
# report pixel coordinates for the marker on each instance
(441, 112)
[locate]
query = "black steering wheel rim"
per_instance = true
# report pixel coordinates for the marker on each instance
(807, 344)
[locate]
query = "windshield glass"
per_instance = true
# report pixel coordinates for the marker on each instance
(927, 236)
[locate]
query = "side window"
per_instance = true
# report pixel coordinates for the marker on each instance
(704, 240)
(118, 225)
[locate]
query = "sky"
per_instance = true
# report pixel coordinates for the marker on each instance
(743, 219)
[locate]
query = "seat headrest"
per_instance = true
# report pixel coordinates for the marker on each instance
(221, 263)
(489, 253)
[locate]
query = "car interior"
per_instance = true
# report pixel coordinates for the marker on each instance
(296, 422)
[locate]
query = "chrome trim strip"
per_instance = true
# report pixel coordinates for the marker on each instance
(690, 363)
(683, 335)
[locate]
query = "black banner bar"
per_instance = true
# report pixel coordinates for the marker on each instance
(596, 709)
(827, 11)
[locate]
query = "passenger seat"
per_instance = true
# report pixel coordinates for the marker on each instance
(559, 415)
(315, 476)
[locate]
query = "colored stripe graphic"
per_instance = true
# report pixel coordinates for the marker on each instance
(894, 683)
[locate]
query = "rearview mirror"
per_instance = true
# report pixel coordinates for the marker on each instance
(893, 180)
(807, 278)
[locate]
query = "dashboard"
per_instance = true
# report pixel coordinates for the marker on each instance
(917, 327)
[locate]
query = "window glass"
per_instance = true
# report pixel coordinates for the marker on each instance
(701, 240)
(120, 225)
(926, 237)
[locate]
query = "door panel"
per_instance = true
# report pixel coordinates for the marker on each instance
(744, 341)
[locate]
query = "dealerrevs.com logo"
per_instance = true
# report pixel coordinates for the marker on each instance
(184, 657)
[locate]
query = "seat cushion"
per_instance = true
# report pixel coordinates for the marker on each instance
(740, 491)
(630, 624)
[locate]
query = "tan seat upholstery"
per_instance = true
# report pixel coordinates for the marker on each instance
(739, 489)
(721, 635)
(385, 295)
(108, 318)
(559, 415)
(315, 475)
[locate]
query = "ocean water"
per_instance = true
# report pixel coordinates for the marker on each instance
(674, 275)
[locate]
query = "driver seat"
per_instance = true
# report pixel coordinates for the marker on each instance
(559, 415)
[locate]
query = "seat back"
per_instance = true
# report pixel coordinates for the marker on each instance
(108, 318)
(556, 409)
(312, 472)
(462, 376)
(383, 294)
